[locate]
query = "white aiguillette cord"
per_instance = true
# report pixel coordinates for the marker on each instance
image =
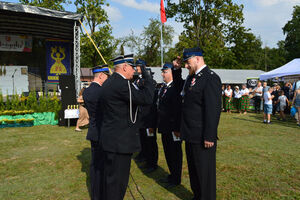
(130, 105)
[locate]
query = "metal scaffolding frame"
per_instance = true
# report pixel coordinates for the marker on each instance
(76, 69)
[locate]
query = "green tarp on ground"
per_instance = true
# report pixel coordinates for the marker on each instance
(45, 118)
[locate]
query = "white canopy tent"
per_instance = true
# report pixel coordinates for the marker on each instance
(291, 68)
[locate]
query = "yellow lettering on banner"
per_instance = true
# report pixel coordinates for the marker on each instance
(53, 78)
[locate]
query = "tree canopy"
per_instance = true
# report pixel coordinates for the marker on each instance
(216, 26)
(96, 19)
(51, 4)
(292, 32)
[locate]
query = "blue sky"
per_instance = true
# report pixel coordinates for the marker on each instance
(265, 17)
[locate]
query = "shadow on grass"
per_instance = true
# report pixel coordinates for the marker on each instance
(290, 122)
(85, 158)
(258, 118)
(248, 120)
(180, 191)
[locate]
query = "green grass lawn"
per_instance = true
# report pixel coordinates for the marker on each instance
(254, 161)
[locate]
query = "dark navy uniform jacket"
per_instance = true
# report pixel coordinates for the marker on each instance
(169, 106)
(118, 133)
(201, 107)
(91, 97)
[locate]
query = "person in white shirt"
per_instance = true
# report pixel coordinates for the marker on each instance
(257, 92)
(268, 105)
(237, 99)
(228, 98)
(244, 99)
(223, 96)
(283, 101)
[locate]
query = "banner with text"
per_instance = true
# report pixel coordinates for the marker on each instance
(58, 60)
(15, 43)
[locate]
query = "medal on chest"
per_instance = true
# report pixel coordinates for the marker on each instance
(193, 82)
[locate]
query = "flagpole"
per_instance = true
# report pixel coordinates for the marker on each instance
(162, 45)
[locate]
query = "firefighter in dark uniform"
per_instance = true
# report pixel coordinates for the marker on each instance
(139, 84)
(91, 96)
(201, 110)
(119, 130)
(168, 111)
(147, 117)
(151, 139)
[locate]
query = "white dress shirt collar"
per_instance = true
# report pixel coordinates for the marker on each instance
(121, 75)
(96, 82)
(200, 69)
(167, 84)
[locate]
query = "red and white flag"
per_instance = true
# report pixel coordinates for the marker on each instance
(163, 17)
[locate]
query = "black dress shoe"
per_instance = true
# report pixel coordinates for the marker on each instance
(171, 185)
(150, 169)
(140, 159)
(164, 180)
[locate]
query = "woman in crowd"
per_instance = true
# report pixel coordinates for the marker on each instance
(237, 99)
(244, 99)
(296, 102)
(83, 114)
(228, 98)
(223, 94)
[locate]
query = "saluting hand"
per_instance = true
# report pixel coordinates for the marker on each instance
(177, 134)
(208, 144)
(177, 62)
(151, 130)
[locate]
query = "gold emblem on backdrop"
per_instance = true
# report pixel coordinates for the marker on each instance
(58, 54)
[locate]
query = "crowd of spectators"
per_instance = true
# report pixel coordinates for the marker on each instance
(273, 100)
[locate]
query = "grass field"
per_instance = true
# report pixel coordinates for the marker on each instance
(254, 161)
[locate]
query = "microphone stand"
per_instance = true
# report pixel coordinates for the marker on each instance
(13, 78)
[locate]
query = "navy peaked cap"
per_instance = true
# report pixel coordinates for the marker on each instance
(140, 62)
(191, 52)
(124, 59)
(167, 65)
(101, 68)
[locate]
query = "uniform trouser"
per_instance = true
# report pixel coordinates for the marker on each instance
(173, 155)
(257, 102)
(96, 170)
(143, 138)
(202, 170)
(115, 175)
(151, 151)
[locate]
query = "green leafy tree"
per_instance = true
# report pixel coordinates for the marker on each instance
(7, 102)
(97, 23)
(216, 27)
(32, 103)
(247, 49)
(133, 42)
(151, 38)
(292, 32)
(43, 107)
(147, 45)
(2, 104)
(23, 100)
(54, 104)
(274, 57)
(15, 102)
(207, 21)
(51, 4)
